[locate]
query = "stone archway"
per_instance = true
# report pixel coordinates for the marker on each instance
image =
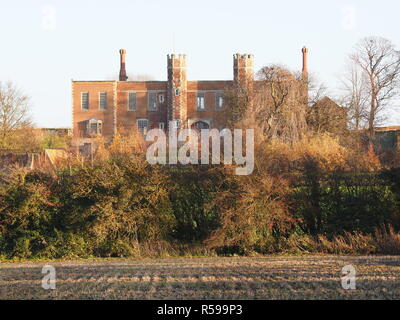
(198, 125)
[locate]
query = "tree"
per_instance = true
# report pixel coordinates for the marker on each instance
(14, 113)
(280, 103)
(316, 89)
(379, 64)
(355, 98)
(327, 116)
(275, 105)
(324, 114)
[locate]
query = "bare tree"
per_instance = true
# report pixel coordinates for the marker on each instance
(280, 103)
(316, 89)
(355, 98)
(324, 114)
(380, 65)
(275, 105)
(14, 113)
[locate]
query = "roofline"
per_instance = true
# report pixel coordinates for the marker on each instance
(210, 81)
(110, 81)
(149, 81)
(52, 128)
(390, 128)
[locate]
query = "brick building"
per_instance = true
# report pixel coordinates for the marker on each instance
(107, 107)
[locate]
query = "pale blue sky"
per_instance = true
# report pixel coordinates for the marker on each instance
(45, 44)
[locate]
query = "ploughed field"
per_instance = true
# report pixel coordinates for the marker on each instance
(287, 277)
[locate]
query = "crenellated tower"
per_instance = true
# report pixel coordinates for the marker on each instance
(243, 70)
(177, 89)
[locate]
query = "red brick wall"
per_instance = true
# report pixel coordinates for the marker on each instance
(79, 115)
(210, 89)
(126, 120)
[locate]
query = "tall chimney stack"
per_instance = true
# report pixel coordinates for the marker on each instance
(305, 62)
(122, 71)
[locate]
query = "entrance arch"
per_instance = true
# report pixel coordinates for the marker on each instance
(198, 125)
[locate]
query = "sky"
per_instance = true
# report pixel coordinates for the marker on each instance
(45, 44)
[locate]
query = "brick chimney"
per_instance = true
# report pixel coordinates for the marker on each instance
(122, 71)
(305, 63)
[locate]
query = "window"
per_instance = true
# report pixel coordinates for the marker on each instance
(85, 100)
(161, 125)
(200, 101)
(142, 125)
(175, 124)
(103, 100)
(219, 100)
(94, 127)
(161, 98)
(152, 101)
(132, 101)
(177, 92)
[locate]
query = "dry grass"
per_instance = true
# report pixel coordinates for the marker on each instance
(297, 277)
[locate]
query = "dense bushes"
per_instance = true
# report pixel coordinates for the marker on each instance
(254, 217)
(342, 202)
(192, 191)
(307, 197)
(118, 205)
(102, 210)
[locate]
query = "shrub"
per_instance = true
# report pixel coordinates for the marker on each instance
(26, 213)
(105, 210)
(312, 195)
(254, 215)
(192, 190)
(115, 203)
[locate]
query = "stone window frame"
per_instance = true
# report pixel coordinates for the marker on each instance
(149, 94)
(147, 126)
(129, 101)
(199, 93)
(103, 93)
(88, 96)
(219, 94)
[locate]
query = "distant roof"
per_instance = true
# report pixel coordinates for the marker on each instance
(61, 128)
(326, 99)
(391, 128)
